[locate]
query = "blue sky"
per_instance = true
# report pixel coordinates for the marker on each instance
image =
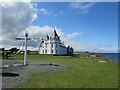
(97, 21)
(86, 26)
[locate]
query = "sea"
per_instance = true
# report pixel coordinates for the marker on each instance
(115, 57)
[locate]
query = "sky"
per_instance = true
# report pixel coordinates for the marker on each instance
(86, 26)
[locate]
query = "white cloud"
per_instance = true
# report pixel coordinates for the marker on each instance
(16, 17)
(42, 31)
(16, 1)
(83, 7)
(42, 9)
(60, 0)
(73, 35)
(16, 20)
(55, 15)
(37, 31)
(92, 48)
(45, 11)
(34, 4)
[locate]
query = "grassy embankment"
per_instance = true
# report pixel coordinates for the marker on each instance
(81, 72)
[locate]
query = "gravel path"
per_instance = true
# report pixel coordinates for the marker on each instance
(13, 75)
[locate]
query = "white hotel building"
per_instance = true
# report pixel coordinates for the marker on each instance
(53, 45)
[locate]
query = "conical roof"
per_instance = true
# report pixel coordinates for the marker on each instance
(55, 34)
(47, 37)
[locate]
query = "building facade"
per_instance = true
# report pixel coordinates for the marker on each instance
(53, 45)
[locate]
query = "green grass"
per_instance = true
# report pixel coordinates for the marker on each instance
(80, 73)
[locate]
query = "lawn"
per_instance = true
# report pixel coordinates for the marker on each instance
(79, 72)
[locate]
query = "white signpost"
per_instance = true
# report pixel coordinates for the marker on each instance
(25, 51)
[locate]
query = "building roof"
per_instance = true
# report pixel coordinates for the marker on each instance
(47, 37)
(55, 34)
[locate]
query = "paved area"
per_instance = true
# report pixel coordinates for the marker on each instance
(16, 73)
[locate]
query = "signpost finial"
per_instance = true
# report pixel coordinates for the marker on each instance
(26, 34)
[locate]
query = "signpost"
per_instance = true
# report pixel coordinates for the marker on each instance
(25, 51)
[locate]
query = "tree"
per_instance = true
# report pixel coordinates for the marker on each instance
(13, 50)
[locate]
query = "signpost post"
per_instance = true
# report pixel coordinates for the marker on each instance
(25, 51)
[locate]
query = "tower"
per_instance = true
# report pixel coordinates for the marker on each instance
(55, 43)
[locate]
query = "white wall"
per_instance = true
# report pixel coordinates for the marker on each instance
(49, 48)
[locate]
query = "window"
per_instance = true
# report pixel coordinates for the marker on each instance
(51, 45)
(46, 45)
(52, 51)
(56, 45)
(45, 51)
(56, 51)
